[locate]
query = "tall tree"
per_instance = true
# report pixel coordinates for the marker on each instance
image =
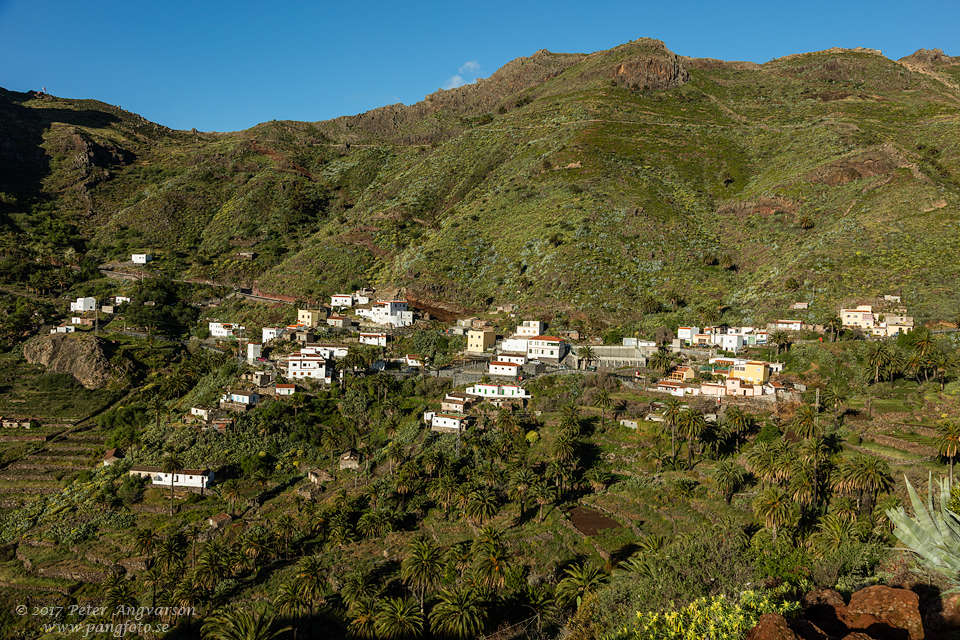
(458, 614)
(774, 507)
(398, 618)
(422, 567)
(172, 464)
(948, 442)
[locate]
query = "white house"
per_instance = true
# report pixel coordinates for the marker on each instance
(547, 348)
(686, 333)
(498, 391)
(223, 329)
(789, 325)
(248, 398)
(530, 328)
(329, 350)
(414, 360)
(341, 300)
(448, 423)
(271, 333)
(514, 345)
(141, 258)
(308, 363)
(254, 350)
(514, 357)
(285, 389)
(392, 312)
(375, 339)
(121, 300)
(84, 304)
(63, 330)
(729, 342)
(190, 478)
(510, 369)
(201, 412)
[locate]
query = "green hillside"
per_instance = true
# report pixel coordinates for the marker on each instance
(604, 186)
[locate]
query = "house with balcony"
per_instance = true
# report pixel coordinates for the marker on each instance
(547, 349)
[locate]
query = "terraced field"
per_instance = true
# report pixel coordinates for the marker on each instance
(44, 465)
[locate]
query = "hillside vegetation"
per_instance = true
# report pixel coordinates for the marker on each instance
(604, 186)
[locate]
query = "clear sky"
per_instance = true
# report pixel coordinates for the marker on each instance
(224, 66)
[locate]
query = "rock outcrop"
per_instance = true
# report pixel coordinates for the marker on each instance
(874, 613)
(79, 355)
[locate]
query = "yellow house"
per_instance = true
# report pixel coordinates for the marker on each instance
(479, 341)
(752, 371)
(310, 317)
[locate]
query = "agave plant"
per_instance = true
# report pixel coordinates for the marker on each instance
(933, 534)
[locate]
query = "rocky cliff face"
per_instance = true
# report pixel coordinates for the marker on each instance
(79, 355)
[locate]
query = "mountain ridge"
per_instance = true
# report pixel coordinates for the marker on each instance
(627, 185)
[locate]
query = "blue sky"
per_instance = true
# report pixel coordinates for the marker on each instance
(225, 66)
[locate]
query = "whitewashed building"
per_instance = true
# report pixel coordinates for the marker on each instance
(308, 363)
(223, 329)
(374, 339)
(509, 369)
(448, 423)
(141, 258)
(341, 300)
(271, 333)
(547, 348)
(187, 478)
(530, 328)
(83, 305)
(254, 350)
(498, 391)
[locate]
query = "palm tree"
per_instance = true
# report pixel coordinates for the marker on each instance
(290, 600)
(586, 354)
(459, 613)
(604, 402)
(285, 527)
(833, 531)
(422, 568)
(780, 339)
(544, 495)
(482, 504)
(363, 624)
(775, 508)
(239, 624)
(522, 483)
(231, 491)
(153, 577)
(491, 562)
(878, 355)
(581, 580)
(691, 426)
(835, 395)
(661, 361)
(310, 577)
(805, 423)
(738, 422)
(171, 464)
(359, 586)
(157, 407)
(729, 477)
(833, 324)
(146, 541)
(948, 442)
(671, 415)
(398, 618)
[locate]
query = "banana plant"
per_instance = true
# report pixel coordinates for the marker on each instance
(933, 534)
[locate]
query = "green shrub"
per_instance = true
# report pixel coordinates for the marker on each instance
(718, 618)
